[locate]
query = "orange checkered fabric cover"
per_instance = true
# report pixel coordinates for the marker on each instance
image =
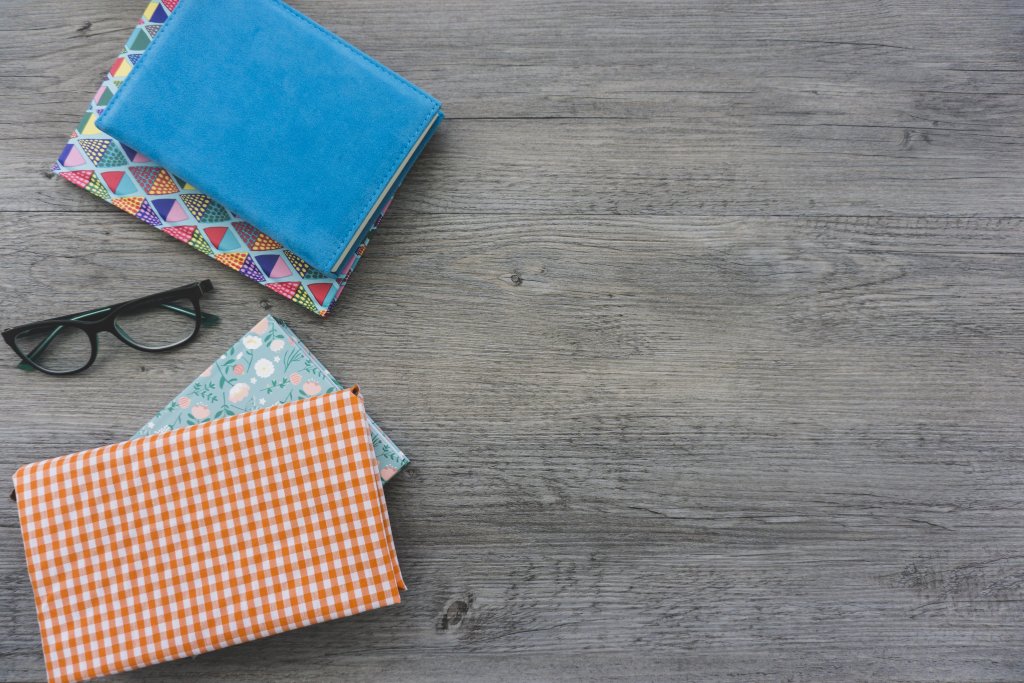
(179, 543)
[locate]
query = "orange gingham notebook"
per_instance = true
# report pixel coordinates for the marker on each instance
(179, 543)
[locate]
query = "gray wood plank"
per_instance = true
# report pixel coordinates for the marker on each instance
(651, 107)
(701, 322)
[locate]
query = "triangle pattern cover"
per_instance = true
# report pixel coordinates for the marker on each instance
(216, 235)
(147, 214)
(199, 244)
(182, 233)
(319, 290)
(132, 182)
(203, 208)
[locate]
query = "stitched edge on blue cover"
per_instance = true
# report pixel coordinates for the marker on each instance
(403, 152)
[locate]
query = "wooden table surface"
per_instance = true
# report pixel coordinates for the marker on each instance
(702, 323)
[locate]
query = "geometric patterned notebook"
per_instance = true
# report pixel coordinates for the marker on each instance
(192, 540)
(268, 366)
(129, 180)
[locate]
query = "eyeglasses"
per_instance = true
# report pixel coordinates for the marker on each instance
(68, 344)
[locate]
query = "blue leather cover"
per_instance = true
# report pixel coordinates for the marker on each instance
(276, 118)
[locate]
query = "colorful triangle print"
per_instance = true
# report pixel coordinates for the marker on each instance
(233, 260)
(170, 210)
(94, 149)
(133, 156)
(320, 290)
(300, 266)
(87, 126)
(223, 239)
(118, 182)
(96, 187)
(80, 178)
(204, 209)
(274, 266)
(146, 213)
(159, 16)
(285, 289)
(112, 179)
(139, 41)
(253, 238)
(71, 157)
(153, 179)
(303, 299)
(129, 204)
(170, 4)
(102, 152)
(306, 271)
(152, 30)
(197, 242)
(250, 270)
(264, 243)
(182, 233)
(216, 234)
(112, 157)
(120, 68)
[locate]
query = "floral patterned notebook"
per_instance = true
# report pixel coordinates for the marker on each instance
(268, 366)
(135, 184)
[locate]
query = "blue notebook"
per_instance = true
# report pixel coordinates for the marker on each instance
(276, 118)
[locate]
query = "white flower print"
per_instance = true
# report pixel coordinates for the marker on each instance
(238, 392)
(264, 368)
(251, 341)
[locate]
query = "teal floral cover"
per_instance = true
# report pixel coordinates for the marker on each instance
(267, 366)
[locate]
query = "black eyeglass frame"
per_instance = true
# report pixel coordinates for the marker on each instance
(108, 323)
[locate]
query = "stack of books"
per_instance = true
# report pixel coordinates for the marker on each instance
(255, 136)
(253, 502)
(249, 505)
(194, 539)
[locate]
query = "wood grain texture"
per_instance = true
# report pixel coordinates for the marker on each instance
(701, 322)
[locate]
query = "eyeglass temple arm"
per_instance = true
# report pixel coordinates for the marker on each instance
(205, 319)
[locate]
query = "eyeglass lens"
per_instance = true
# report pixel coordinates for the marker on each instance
(56, 347)
(159, 326)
